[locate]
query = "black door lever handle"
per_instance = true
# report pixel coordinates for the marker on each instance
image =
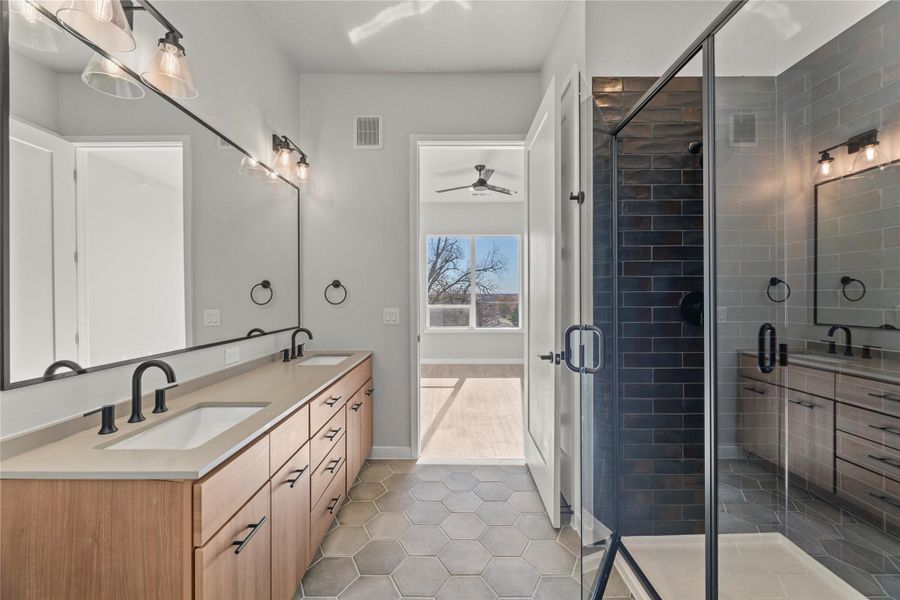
(549, 356)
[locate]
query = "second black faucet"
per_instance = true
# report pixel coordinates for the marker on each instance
(136, 415)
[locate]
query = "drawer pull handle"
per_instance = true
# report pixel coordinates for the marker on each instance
(333, 400)
(886, 429)
(886, 499)
(886, 460)
(369, 391)
(331, 467)
(332, 433)
(754, 390)
(808, 405)
(299, 473)
(356, 406)
(887, 396)
(254, 527)
(334, 503)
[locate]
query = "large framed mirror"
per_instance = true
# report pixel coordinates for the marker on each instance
(132, 228)
(857, 249)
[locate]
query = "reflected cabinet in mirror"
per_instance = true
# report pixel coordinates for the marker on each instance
(857, 272)
(134, 229)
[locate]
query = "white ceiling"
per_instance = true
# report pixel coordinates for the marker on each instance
(413, 36)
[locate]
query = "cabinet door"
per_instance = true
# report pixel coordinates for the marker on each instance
(810, 439)
(355, 431)
(759, 419)
(369, 394)
(290, 524)
(235, 563)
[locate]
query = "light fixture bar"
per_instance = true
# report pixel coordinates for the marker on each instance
(855, 143)
(282, 142)
(132, 5)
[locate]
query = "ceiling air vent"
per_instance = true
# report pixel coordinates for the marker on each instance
(368, 133)
(743, 129)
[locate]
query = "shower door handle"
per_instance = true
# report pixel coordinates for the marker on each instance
(766, 364)
(599, 362)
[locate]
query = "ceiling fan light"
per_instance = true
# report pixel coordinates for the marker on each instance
(169, 71)
(107, 77)
(31, 29)
(101, 22)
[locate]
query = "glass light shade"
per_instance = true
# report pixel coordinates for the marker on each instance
(252, 168)
(31, 29)
(283, 158)
(107, 77)
(865, 158)
(169, 72)
(302, 171)
(102, 22)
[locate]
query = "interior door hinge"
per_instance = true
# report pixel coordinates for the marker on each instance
(577, 197)
(75, 256)
(76, 337)
(74, 174)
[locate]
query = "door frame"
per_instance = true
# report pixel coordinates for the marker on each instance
(417, 141)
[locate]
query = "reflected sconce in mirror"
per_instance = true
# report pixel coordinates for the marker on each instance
(284, 149)
(251, 167)
(107, 77)
(101, 22)
(34, 30)
(864, 146)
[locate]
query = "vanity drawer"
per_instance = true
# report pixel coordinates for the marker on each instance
(326, 471)
(877, 496)
(222, 574)
(879, 428)
(325, 439)
(750, 368)
(871, 394)
(809, 439)
(287, 437)
(221, 493)
(323, 512)
(759, 419)
(868, 454)
(323, 407)
(811, 381)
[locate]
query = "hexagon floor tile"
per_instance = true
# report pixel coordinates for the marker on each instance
(329, 576)
(420, 576)
(511, 577)
(461, 501)
(464, 557)
(379, 557)
(549, 558)
(504, 541)
(498, 513)
(345, 541)
(427, 513)
(371, 587)
(463, 526)
(493, 491)
(424, 540)
(357, 513)
(388, 526)
(465, 588)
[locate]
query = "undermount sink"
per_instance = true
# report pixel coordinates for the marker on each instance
(188, 430)
(324, 359)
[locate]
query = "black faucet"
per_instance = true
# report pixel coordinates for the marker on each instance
(848, 338)
(297, 351)
(63, 364)
(136, 415)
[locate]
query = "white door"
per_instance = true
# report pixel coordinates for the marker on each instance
(42, 300)
(542, 409)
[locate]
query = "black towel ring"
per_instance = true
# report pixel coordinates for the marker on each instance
(266, 285)
(336, 284)
(847, 280)
(256, 331)
(773, 281)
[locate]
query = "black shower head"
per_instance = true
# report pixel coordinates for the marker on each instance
(695, 147)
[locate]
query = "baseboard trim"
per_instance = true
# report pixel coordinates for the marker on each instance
(387, 452)
(472, 361)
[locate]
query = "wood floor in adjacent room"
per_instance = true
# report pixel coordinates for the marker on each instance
(471, 412)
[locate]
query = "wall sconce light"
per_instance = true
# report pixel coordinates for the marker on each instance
(107, 77)
(34, 30)
(284, 149)
(102, 22)
(169, 71)
(865, 146)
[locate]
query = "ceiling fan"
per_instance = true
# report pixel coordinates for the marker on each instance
(481, 184)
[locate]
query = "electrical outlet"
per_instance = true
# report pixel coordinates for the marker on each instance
(212, 317)
(721, 313)
(391, 316)
(232, 355)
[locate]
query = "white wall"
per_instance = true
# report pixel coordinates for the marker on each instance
(568, 45)
(356, 223)
(248, 89)
(41, 106)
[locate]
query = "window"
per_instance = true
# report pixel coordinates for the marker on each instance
(473, 282)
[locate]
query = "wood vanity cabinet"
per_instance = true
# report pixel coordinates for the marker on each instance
(290, 515)
(809, 439)
(759, 423)
(359, 430)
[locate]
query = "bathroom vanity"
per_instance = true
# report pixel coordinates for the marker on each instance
(150, 512)
(834, 424)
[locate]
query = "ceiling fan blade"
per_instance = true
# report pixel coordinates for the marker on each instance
(486, 174)
(462, 187)
(502, 190)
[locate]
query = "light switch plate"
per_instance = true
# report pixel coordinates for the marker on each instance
(721, 313)
(212, 317)
(391, 316)
(232, 355)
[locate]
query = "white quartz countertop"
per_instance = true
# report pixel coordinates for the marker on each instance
(280, 387)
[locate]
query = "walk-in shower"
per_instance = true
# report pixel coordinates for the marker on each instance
(746, 453)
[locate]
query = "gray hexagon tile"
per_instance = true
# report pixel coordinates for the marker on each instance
(549, 558)
(431, 472)
(427, 513)
(460, 468)
(569, 538)
(465, 588)
(345, 541)
(497, 513)
(394, 501)
(520, 482)
(356, 513)
(464, 557)
(460, 481)
(379, 557)
(463, 526)
(374, 472)
(371, 587)
(424, 540)
(388, 526)
(461, 501)
(557, 588)
(511, 577)
(493, 491)
(490, 473)
(400, 482)
(366, 491)
(504, 541)
(402, 466)
(420, 576)
(329, 577)
(429, 491)
(536, 527)
(527, 502)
